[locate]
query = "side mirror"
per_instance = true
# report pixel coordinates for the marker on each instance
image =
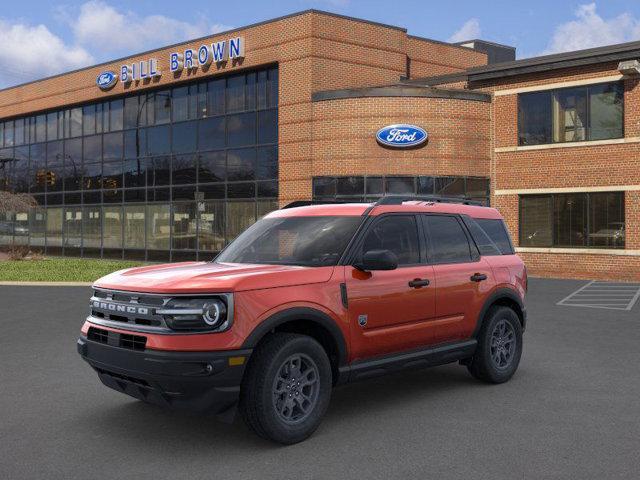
(378, 260)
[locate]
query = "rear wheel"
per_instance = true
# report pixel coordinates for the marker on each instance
(287, 388)
(499, 346)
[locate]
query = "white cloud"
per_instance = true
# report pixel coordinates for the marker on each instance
(108, 30)
(98, 31)
(591, 30)
(469, 31)
(28, 52)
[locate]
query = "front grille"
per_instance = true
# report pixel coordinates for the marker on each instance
(122, 340)
(98, 335)
(132, 309)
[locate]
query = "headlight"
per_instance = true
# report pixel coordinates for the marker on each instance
(198, 314)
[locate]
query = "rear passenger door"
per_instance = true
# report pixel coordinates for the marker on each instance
(462, 277)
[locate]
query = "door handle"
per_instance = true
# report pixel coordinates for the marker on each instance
(478, 277)
(419, 282)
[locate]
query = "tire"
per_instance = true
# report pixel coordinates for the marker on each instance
(276, 405)
(496, 358)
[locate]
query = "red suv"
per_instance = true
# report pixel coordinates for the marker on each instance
(310, 297)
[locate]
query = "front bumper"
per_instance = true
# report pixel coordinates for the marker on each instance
(197, 381)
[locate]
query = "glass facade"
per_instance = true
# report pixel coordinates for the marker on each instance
(371, 188)
(160, 175)
(573, 220)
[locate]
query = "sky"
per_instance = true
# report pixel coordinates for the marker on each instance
(39, 38)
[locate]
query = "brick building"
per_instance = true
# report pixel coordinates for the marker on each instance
(169, 154)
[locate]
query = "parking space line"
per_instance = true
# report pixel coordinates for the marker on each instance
(613, 296)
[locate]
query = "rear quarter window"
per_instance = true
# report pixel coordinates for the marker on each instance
(496, 230)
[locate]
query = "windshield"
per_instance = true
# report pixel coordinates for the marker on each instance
(306, 241)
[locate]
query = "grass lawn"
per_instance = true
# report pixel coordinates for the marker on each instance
(60, 269)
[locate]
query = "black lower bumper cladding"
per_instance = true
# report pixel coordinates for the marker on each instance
(197, 381)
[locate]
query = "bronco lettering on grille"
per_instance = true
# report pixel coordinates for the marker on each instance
(114, 307)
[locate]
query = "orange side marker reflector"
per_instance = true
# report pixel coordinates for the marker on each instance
(236, 361)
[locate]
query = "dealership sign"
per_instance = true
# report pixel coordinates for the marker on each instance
(189, 59)
(401, 136)
(106, 80)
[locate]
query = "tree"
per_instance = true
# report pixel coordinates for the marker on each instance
(16, 202)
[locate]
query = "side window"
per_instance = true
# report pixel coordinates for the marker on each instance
(497, 231)
(447, 241)
(485, 244)
(398, 234)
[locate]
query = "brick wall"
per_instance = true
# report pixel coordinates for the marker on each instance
(573, 167)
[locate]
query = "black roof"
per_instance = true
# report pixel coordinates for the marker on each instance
(590, 56)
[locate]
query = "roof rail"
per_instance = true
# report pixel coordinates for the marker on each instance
(400, 199)
(307, 203)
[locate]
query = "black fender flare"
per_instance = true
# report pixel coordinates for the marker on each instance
(300, 313)
(496, 296)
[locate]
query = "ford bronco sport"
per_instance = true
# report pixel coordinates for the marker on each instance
(310, 297)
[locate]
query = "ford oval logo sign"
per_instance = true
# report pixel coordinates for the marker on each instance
(106, 80)
(401, 136)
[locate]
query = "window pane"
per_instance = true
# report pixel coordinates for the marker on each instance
(241, 164)
(570, 217)
(89, 120)
(250, 91)
(112, 145)
(211, 133)
(112, 175)
(159, 140)
(92, 176)
(212, 167)
(241, 130)
(112, 227)
(135, 172)
(272, 88)
(350, 186)
(54, 227)
(37, 227)
(400, 185)
(55, 165)
(134, 226)
(92, 148)
(267, 168)
(211, 227)
(180, 102)
(241, 190)
(116, 115)
(268, 126)
(426, 185)
(240, 215)
(135, 143)
(477, 187)
(235, 93)
(184, 169)
(184, 137)
(497, 232)
(92, 227)
(447, 241)
(324, 187)
(450, 186)
(21, 170)
(215, 95)
(8, 134)
(536, 217)
(19, 131)
(261, 88)
(75, 122)
(161, 171)
(162, 107)
(52, 126)
(606, 104)
(184, 226)
(534, 118)
(73, 164)
(570, 115)
(485, 244)
(158, 227)
(41, 130)
(398, 234)
(607, 220)
(102, 117)
(131, 112)
(73, 227)
(375, 186)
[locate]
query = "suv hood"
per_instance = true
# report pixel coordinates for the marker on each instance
(206, 277)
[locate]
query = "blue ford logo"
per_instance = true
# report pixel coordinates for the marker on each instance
(401, 136)
(106, 80)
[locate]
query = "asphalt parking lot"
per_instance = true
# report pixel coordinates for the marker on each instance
(571, 411)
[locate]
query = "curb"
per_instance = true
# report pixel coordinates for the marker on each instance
(47, 284)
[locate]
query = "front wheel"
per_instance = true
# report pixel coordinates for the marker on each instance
(286, 390)
(499, 346)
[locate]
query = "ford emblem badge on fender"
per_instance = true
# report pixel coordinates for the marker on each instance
(106, 80)
(401, 136)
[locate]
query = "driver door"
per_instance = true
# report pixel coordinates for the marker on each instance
(391, 310)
